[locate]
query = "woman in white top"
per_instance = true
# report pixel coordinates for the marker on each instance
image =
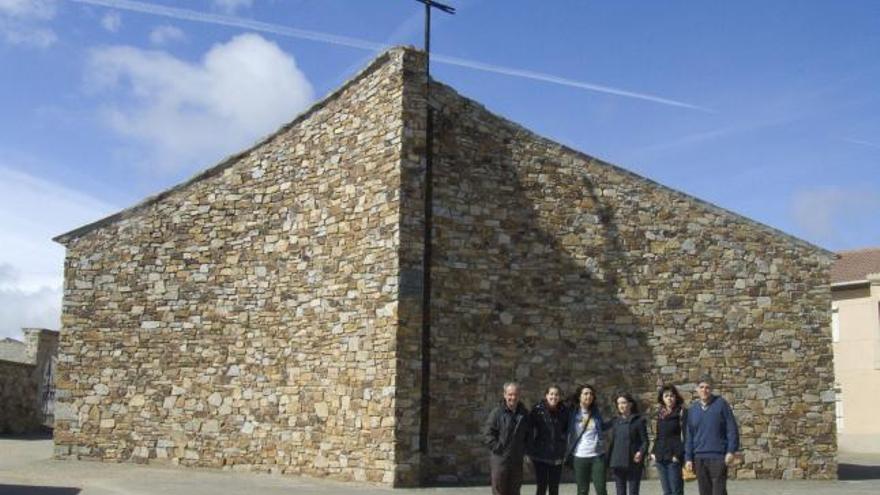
(585, 442)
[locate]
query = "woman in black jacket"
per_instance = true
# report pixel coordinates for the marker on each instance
(627, 445)
(668, 451)
(549, 420)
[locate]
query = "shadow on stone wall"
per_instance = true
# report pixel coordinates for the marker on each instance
(529, 275)
(27, 387)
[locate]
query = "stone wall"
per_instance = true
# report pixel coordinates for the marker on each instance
(26, 383)
(13, 350)
(41, 344)
(19, 401)
(408, 359)
(246, 320)
(267, 314)
(42, 349)
(551, 266)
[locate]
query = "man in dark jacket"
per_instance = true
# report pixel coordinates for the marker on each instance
(505, 433)
(711, 440)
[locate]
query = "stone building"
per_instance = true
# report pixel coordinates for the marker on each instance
(27, 387)
(266, 315)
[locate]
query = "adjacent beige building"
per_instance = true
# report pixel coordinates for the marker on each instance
(855, 324)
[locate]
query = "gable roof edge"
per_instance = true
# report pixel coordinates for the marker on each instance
(230, 160)
(712, 206)
(706, 204)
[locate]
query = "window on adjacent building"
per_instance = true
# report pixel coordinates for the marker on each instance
(835, 326)
(877, 343)
(838, 408)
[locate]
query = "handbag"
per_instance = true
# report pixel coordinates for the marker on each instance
(688, 474)
(569, 456)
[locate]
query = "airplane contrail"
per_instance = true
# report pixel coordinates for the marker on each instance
(333, 39)
(861, 142)
(233, 21)
(538, 76)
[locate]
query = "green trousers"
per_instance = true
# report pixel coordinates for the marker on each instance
(588, 469)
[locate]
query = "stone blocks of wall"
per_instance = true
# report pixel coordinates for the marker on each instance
(23, 383)
(247, 320)
(12, 350)
(267, 315)
(19, 401)
(408, 352)
(554, 267)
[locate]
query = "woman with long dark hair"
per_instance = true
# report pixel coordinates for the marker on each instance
(585, 441)
(627, 445)
(668, 451)
(549, 420)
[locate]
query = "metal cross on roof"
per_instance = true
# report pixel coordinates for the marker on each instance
(429, 4)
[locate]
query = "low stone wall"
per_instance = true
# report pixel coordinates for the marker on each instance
(19, 400)
(12, 350)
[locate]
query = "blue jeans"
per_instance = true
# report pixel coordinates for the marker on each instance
(670, 477)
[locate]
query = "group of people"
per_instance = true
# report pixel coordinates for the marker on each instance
(701, 439)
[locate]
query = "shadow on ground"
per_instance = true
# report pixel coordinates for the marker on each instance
(858, 472)
(38, 490)
(45, 434)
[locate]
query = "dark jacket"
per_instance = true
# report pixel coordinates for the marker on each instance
(669, 436)
(628, 436)
(548, 440)
(711, 433)
(506, 431)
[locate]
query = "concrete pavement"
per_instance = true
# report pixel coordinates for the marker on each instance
(26, 468)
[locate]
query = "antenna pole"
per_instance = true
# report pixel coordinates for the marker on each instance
(425, 404)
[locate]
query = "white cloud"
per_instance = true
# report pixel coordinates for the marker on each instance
(32, 211)
(27, 36)
(232, 6)
(191, 114)
(24, 9)
(29, 309)
(166, 33)
(830, 214)
(112, 21)
(8, 274)
(21, 22)
(335, 39)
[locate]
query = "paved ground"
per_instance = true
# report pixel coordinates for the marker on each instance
(26, 469)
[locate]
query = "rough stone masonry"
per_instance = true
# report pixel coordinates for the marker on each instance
(26, 382)
(266, 315)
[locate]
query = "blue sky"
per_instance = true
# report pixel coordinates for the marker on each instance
(768, 109)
